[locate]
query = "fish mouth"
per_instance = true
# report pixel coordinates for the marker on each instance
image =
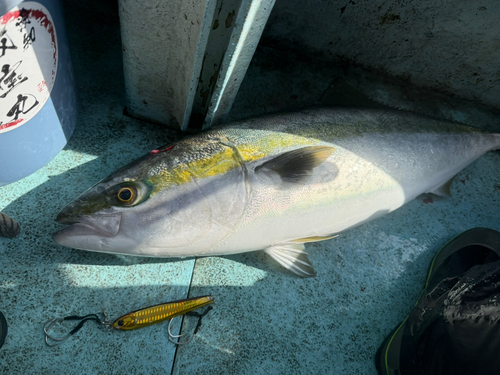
(96, 225)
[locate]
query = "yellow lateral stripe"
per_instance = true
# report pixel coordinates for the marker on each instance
(224, 161)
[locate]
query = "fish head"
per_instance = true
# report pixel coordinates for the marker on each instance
(176, 201)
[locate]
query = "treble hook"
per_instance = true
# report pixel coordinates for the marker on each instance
(171, 336)
(59, 340)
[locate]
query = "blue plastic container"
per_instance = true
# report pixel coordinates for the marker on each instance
(37, 95)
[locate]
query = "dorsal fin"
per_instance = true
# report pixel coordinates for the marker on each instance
(297, 166)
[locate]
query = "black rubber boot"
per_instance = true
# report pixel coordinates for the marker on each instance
(454, 327)
(3, 329)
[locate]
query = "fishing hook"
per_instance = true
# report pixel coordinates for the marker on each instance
(52, 341)
(171, 336)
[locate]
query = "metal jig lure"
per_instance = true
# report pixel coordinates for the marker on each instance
(137, 319)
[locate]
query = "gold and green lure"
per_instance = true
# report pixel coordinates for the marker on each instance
(158, 313)
(139, 318)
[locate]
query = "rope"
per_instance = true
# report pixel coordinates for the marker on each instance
(8, 227)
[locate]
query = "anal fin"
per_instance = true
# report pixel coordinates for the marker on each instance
(293, 257)
(314, 239)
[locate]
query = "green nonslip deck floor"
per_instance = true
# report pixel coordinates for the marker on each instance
(265, 319)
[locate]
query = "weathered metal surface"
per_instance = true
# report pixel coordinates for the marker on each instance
(219, 38)
(249, 25)
(184, 61)
(163, 47)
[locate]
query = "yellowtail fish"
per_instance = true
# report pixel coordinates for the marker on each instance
(158, 313)
(271, 183)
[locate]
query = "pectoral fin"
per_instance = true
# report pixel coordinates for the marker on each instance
(293, 257)
(296, 166)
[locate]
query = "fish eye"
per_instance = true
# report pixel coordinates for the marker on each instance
(126, 195)
(121, 323)
(130, 193)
